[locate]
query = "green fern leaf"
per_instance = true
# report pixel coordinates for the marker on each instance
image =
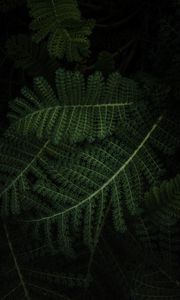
(20, 162)
(29, 279)
(164, 201)
(108, 173)
(158, 277)
(61, 22)
(81, 110)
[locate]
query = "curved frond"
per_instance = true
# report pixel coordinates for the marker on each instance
(111, 172)
(80, 110)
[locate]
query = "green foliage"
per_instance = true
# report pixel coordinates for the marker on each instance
(151, 283)
(77, 183)
(79, 109)
(86, 209)
(61, 21)
(110, 173)
(27, 278)
(21, 160)
(157, 277)
(164, 201)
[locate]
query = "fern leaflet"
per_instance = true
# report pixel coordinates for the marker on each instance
(81, 110)
(21, 162)
(61, 22)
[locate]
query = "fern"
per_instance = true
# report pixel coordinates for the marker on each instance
(85, 210)
(158, 277)
(21, 162)
(151, 283)
(132, 270)
(80, 110)
(164, 201)
(158, 232)
(30, 279)
(61, 22)
(108, 174)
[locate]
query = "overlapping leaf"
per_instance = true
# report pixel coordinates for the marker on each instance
(80, 110)
(21, 162)
(61, 22)
(108, 174)
(27, 279)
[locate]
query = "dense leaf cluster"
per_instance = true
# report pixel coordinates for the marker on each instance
(89, 171)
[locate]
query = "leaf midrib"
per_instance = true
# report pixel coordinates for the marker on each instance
(25, 169)
(22, 282)
(63, 107)
(109, 180)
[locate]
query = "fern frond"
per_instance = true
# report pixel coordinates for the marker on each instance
(21, 162)
(61, 22)
(30, 279)
(152, 283)
(159, 278)
(164, 201)
(111, 171)
(160, 237)
(80, 110)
